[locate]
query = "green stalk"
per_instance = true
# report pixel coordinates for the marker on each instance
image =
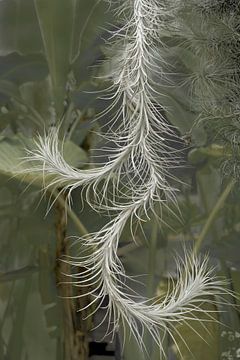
(74, 346)
(213, 214)
(77, 222)
(152, 259)
(152, 256)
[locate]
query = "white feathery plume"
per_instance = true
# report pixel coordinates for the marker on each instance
(137, 174)
(141, 148)
(104, 273)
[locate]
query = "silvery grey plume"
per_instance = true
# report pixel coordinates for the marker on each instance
(135, 178)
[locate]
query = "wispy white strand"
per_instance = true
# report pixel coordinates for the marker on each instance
(136, 173)
(105, 274)
(141, 151)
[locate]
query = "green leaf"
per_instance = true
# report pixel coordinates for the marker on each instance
(209, 153)
(131, 349)
(87, 29)
(29, 107)
(9, 88)
(20, 69)
(67, 28)
(177, 111)
(19, 30)
(229, 320)
(13, 151)
(25, 231)
(87, 19)
(55, 19)
(191, 338)
(18, 273)
(39, 344)
(190, 335)
(37, 98)
(15, 345)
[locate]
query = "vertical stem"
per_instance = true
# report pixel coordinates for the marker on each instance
(79, 225)
(154, 351)
(152, 259)
(212, 216)
(75, 328)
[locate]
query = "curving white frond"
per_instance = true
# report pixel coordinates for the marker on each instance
(137, 174)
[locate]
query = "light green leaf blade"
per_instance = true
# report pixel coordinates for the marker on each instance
(17, 274)
(23, 68)
(196, 340)
(13, 151)
(55, 19)
(15, 345)
(17, 21)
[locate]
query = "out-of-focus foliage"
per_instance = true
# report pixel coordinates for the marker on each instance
(43, 46)
(46, 49)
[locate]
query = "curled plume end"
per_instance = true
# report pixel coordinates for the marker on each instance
(137, 174)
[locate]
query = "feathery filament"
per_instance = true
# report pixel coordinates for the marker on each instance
(137, 173)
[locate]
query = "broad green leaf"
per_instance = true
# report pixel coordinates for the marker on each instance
(229, 318)
(177, 111)
(19, 30)
(198, 340)
(131, 349)
(88, 17)
(87, 44)
(13, 151)
(61, 29)
(209, 153)
(9, 88)
(2, 348)
(37, 98)
(19, 112)
(25, 231)
(23, 68)
(29, 107)
(190, 335)
(18, 273)
(15, 345)
(67, 27)
(55, 19)
(39, 344)
(22, 222)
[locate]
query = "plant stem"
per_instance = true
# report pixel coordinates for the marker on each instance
(152, 252)
(207, 204)
(152, 259)
(214, 212)
(79, 225)
(75, 330)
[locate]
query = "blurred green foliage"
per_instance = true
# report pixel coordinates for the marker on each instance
(46, 47)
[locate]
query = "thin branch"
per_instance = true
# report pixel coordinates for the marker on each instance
(77, 222)
(213, 214)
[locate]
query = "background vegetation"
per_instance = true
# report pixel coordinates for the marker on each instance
(48, 53)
